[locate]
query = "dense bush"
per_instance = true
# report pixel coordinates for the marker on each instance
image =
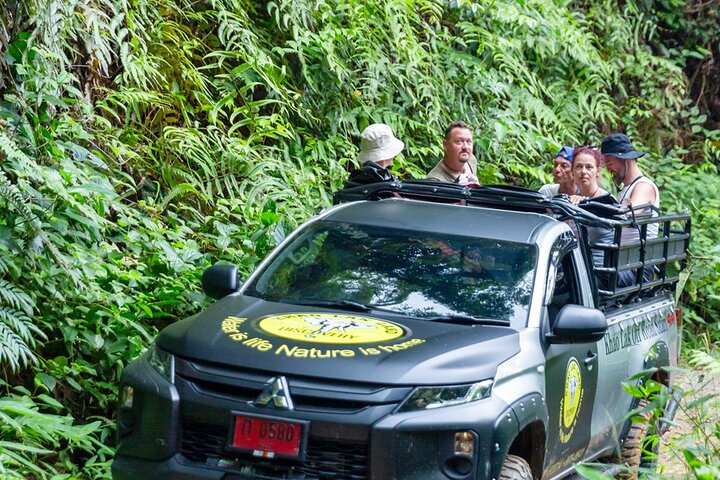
(142, 141)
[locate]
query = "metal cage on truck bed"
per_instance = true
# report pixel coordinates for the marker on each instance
(654, 262)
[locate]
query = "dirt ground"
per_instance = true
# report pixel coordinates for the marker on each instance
(671, 464)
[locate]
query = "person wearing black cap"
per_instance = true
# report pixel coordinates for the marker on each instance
(637, 190)
(621, 160)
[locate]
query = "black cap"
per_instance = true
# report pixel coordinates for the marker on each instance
(619, 145)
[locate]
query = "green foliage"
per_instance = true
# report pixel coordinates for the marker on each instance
(36, 442)
(696, 189)
(651, 397)
(698, 447)
(142, 141)
(18, 333)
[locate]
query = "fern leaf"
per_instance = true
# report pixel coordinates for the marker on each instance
(22, 325)
(14, 352)
(11, 151)
(12, 195)
(12, 295)
(699, 358)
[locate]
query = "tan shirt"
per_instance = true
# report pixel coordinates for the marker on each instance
(441, 173)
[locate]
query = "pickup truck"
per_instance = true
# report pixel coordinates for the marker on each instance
(414, 331)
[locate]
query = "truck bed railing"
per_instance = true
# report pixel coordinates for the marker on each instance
(655, 262)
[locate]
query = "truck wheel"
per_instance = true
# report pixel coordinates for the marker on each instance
(637, 451)
(515, 468)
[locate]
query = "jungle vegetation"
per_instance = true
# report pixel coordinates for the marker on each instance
(144, 140)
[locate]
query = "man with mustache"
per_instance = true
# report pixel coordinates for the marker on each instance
(458, 164)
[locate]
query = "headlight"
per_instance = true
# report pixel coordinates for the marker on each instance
(163, 362)
(424, 398)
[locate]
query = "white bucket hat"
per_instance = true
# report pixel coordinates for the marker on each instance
(377, 142)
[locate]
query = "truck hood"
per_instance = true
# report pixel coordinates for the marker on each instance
(248, 333)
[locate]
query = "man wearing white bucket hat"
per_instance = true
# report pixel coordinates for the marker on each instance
(378, 148)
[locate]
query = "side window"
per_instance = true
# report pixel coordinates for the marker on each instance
(566, 290)
(562, 288)
(297, 265)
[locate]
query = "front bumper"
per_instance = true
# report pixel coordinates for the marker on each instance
(180, 431)
(133, 468)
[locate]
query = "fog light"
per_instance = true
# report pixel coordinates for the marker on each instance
(127, 396)
(464, 443)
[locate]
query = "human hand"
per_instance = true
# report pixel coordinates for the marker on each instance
(575, 199)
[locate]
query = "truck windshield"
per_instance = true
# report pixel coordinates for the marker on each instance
(408, 272)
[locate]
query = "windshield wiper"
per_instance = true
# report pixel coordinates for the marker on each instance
(467, 320)
(341, 304)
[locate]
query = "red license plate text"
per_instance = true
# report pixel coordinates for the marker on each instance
(267, 435)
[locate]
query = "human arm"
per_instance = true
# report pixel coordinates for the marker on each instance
(643, 194)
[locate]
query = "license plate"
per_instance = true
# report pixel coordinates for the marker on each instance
(267, 437)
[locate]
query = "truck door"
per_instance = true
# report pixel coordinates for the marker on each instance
(571, 370)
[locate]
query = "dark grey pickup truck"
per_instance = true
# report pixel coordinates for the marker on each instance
(414, 331)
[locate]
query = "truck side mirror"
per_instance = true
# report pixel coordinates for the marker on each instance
(219, 281)
(578, 324)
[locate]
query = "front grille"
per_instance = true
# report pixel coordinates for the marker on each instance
(324, 460)
(309, 394)
(200, 441)
(212, 393)
(336, 460)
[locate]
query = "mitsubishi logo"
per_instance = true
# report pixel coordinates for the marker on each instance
(276, 394)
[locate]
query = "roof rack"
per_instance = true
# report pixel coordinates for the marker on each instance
(655, 262)
(506, 197)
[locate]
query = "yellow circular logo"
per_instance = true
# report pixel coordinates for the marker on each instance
(572, 398)
(330, 328)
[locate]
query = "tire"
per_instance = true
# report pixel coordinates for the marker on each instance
(637, 450)
(515, 468)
